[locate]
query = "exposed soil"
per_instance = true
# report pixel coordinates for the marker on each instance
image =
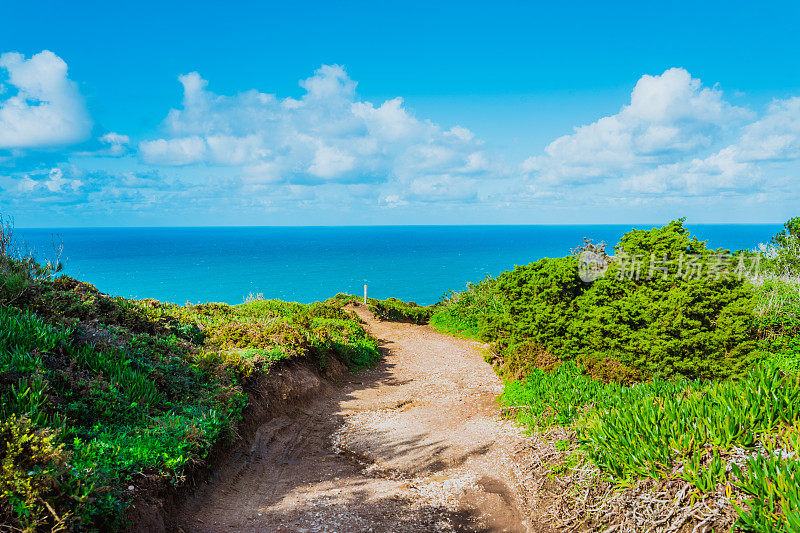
(414, 444)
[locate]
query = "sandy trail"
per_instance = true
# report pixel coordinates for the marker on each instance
(414, 444)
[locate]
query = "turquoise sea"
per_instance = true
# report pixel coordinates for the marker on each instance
(304, 264)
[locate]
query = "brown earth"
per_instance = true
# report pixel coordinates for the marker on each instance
(414, 444)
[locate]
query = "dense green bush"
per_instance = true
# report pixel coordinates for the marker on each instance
(400, 311)
(696, 325)
(649, 315)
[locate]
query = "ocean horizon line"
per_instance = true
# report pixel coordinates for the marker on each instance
(318, 226)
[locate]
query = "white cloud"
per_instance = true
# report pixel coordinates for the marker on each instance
(675, 140)
(776, 136)
(675, 137)
(47, 109)
(230, 150)
(330, 162)
(393, 200)
(719, 172)
(117, 143)
(178, 151)
(53, 182)
(669, 117)
(748, 164)
(327, 135)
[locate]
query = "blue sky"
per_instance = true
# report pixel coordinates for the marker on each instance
(360, 113)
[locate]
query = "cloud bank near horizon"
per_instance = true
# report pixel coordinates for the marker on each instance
(675, 140)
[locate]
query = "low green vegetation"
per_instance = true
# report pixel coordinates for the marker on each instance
(101, 397)
(662, 375)
(467, 312)
(398, 310)
(390, 309)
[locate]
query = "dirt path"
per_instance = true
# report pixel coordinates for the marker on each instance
(415, 444)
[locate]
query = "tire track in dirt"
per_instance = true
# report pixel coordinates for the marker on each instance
(414, 444)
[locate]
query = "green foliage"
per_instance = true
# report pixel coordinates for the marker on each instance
(68, 301)
(536, 304)
(777, 319)
(400, 311)
(680, 429)
(667, 326)
(621, 326)
(783, 256)
(23, 338)
(777, 295)
(390, 309)
(13, 282)
(777, 307)
(261, 332)
(36, 491)
(110, 392)
(19, 270)
(649, 435)
(561, 395)
(773, 484)
(524, 359)
(466, 313)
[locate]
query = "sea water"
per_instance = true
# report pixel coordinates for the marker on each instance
(305, 264)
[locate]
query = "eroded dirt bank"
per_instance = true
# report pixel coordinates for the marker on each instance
(415, 444)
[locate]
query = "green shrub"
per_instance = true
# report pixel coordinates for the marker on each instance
(19, 270)
(777, 319)
(666, 324)
(400, 311)
(33, 473)
(782, 256)
(677, 428)
(524, 359)
(536, 303)
(466, 313)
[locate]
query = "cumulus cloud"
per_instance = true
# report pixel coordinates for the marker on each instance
(746, 164)
(116, 143)
(326, 136)
(177, 151)
(45, 108)
(675, 139)
(776, 136)
(669, 117)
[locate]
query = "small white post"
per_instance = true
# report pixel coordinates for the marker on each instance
(365, 294)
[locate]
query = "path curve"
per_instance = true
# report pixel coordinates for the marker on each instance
(415, 444)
